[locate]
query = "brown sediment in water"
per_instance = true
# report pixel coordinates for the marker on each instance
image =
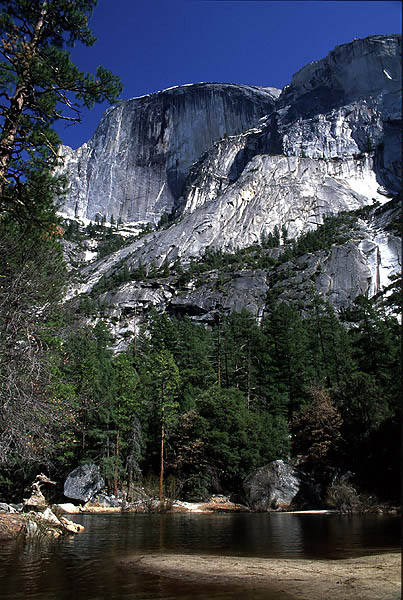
(375, 577)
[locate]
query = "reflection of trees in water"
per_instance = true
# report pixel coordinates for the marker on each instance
(162, 522)
(88, 565)
(272, 534)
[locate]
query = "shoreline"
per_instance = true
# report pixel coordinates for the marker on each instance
(214, 505)
(373, 577)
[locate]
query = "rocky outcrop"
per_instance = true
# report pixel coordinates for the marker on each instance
(295, 167)
(135, 165)
(37, 523)
(222, 293)
(83, 483)
(47, 524)
(362, 264)
(279, 486)
(271, 191)
(364, 69)
(350, 98)
(328, 143)
(340, 274)
(327, 113)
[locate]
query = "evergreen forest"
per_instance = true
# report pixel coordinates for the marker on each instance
(318, 388)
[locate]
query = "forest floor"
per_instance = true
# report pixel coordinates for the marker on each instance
(375, 577)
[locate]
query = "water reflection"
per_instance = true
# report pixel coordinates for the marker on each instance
(86, 567)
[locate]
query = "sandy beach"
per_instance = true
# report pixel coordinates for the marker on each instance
(375, 577)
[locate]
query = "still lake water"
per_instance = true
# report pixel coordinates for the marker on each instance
(86, 567)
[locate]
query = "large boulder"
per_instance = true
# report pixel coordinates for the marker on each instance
(83, 483)
(279, 486)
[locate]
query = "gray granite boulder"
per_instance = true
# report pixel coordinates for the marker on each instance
(83, 483)
(279, 486)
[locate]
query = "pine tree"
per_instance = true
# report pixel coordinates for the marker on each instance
(316, 428)
(164, 269)
(40, 85)
(166, 382)
(291, 369)
(126, 414)
(276, 236)
(32, 280)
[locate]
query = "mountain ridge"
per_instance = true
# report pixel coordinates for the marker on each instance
(312, 155)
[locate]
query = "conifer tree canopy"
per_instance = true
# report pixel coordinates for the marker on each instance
(39, 84)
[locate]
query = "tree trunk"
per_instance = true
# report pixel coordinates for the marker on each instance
(17, 102)
(115, 474)
(248, 377)
(162, 461)
(322, 346)
(219, 355)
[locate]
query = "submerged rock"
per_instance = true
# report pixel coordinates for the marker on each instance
(70, 527)
(47, 524)
(83, 483)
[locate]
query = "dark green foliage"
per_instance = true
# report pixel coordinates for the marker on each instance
(109, 241)
(335, 230)
(369, 398)
(72, 232)
(291, 367)
(390, 298)
(164, 221)
(103, 396)
(32, 278)
(112, 243)
(167, 219)
(224, 397)
(220, 441)
(38, 86)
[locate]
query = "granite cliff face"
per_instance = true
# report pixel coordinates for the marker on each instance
(359, 86)
(236, 162)
(135, 165)
(360, 265)
(365, 70)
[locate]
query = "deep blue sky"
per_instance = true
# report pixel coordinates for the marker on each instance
(156, 44)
